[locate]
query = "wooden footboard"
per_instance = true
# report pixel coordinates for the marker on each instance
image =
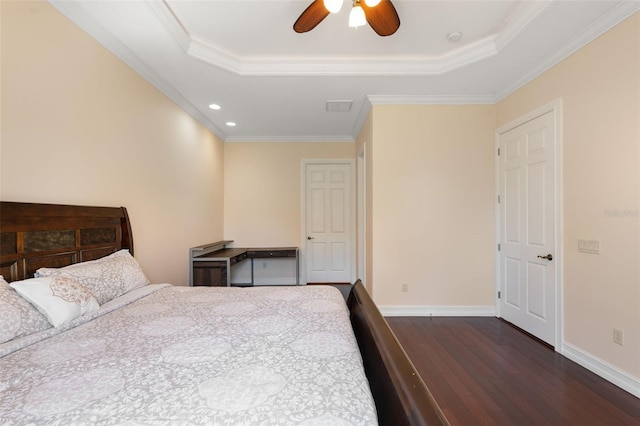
(401, 397)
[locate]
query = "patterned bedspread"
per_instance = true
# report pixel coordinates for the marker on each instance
(207, 356)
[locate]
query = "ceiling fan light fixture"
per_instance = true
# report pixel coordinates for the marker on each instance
(383, 18)
(356, 17)
(333, 6)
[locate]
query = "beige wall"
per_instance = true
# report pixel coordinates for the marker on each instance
(600, 90)
(432, 205)
(81, 127)
(262, 204)
(262, 201)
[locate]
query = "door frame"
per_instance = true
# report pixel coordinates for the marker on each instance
(554, 106)
(361, 165)
(303, 209)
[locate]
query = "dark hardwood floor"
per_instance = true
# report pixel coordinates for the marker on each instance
(482, 371)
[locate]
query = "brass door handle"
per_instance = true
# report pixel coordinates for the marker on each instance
(310, 238)
(548, 257)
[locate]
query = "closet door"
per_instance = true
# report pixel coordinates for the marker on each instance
(329, 222)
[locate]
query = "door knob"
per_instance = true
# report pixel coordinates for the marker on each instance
(548, 257)
(310, 238)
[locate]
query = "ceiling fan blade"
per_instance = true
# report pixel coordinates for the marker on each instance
(383, 18)
(312, 16)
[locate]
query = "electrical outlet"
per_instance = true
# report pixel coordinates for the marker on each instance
(405, 287)
(618, 336)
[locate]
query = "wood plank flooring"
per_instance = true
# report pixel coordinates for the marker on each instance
(482, 371)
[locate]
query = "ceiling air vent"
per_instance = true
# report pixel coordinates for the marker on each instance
(338, 106)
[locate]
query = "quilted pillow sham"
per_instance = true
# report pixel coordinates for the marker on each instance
(18, 317)
(106, 278)
(59, 298)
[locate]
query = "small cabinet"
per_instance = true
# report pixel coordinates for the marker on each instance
(210, 273)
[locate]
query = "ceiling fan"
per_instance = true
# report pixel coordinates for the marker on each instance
(381, 15)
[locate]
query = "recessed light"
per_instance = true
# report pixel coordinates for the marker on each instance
(454, 37)
(214, 106)
(230, 123)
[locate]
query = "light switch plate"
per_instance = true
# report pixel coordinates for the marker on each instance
(589, 246)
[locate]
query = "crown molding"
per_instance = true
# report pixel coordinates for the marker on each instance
(87, 23)
(292, 139)
(171, 23)
(430, 99)
(216, 55)
(520, 20)
(329, 66)
(612, 18)
(372, 100)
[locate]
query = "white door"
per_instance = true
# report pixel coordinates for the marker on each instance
(328, 222)
(527, 255)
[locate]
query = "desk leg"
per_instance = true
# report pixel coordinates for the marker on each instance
(228, 272)
(252, 271)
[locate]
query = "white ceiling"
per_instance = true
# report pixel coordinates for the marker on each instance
(274, 83)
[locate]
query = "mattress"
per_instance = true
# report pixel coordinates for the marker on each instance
(164, 354)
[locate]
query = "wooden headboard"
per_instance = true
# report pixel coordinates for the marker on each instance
(33, 236)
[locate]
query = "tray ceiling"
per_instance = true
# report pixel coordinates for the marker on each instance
(275, 84)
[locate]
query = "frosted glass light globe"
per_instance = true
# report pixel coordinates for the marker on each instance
(333, 6)
(356, 17)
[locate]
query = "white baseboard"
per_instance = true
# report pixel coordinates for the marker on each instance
(438, 311)
(608, 372)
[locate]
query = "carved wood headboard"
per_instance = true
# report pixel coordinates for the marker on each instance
(34, 235)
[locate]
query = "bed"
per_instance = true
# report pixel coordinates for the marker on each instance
(132, 352)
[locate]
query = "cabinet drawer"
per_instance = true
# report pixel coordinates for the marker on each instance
(273, 253)
(210, 264)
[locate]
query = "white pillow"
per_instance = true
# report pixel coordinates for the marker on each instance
(106, 278)
(59, 298)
